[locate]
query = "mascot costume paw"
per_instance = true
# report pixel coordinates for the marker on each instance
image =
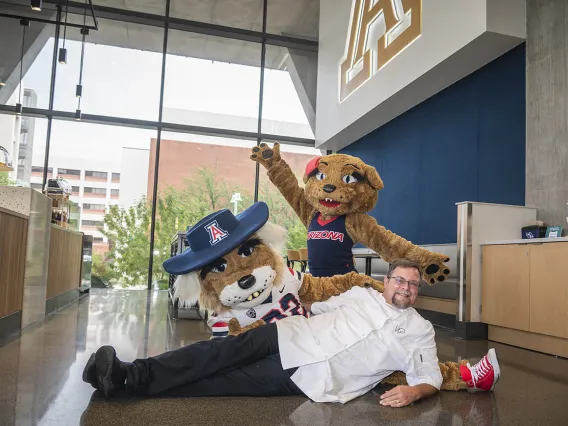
(234, 268)
(340, 190)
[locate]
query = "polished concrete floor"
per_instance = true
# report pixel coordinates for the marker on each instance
(40, 378)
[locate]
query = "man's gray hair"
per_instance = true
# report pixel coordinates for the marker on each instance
(403, 263)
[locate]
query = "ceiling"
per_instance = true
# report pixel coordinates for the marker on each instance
(298, 18)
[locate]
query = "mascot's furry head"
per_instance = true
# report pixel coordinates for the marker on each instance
(338, 184)
(233, 262)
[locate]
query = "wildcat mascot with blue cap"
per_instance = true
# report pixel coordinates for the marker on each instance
(234, 268)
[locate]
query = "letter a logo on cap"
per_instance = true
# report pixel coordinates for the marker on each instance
(216, 233)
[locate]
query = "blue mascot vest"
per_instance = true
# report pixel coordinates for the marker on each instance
(329, 247)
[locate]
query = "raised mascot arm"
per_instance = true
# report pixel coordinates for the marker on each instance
(365, 229)
(281, 176)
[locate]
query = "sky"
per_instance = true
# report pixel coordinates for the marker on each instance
(126, 83)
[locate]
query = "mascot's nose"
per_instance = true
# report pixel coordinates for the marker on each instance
(329, 188)
(247, 281)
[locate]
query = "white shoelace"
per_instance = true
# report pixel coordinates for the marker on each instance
(479, 370)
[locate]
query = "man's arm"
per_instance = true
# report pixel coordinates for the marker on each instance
(423, 375)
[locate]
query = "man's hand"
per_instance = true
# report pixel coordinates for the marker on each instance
(401, 396)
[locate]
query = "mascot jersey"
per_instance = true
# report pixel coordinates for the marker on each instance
(283, 302)
(329, 244)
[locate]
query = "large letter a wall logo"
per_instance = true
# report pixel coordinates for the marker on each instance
(379, 30)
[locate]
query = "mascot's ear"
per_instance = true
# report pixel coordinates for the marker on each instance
(273, 235)
(187, 289)
(311, 168)
(373, 178)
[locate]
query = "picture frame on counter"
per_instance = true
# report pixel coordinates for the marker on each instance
(553, 231)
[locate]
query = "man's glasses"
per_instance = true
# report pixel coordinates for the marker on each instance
(401, 281)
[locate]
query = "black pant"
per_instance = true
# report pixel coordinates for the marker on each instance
(245, 365)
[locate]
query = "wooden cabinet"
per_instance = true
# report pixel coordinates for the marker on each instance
(549, 289)
(525, 287)
(65, 259)
(505, 288)
(13, 236)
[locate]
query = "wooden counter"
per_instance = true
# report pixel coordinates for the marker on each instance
(40, 263)
(13, 236)
(525, 293)
(64, 265)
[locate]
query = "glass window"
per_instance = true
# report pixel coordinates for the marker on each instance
(75, 189)
(121, 71)
(88, 206)
(98, 240)
(88, 190)
(26, 148)
(114, 192)
(290, 91)
(116, 177)
(293, 18)
(197, 176)
(40, 169)
(68, 172)
(96, 175)
(245, 14)
(114, 149)
(212, 82)
(36, 72)
(92, 223)
(280, 211)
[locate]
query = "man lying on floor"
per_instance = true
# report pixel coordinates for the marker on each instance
(346, 348)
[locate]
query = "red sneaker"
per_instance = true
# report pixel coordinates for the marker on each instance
(484, 375)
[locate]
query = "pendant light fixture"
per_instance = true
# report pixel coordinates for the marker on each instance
(79, 88)
(62, 57)
(24, 23)
(36, 5)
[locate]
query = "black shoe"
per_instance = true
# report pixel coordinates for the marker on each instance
(90, 372)
(111, 373)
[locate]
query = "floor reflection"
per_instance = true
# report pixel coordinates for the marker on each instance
(41, 370)
(41, 382)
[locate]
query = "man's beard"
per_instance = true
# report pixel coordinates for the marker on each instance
(403, 302)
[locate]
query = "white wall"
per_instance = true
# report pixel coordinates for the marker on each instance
(134, 175)
(458, 37)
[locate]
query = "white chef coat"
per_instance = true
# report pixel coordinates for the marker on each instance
(354, 341)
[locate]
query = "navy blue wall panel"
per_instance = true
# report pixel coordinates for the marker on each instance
(466, 143)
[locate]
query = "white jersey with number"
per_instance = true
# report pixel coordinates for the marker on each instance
(283, 302)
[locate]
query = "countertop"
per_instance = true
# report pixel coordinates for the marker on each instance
(72, 231)
(525, 241)
(13, 212)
